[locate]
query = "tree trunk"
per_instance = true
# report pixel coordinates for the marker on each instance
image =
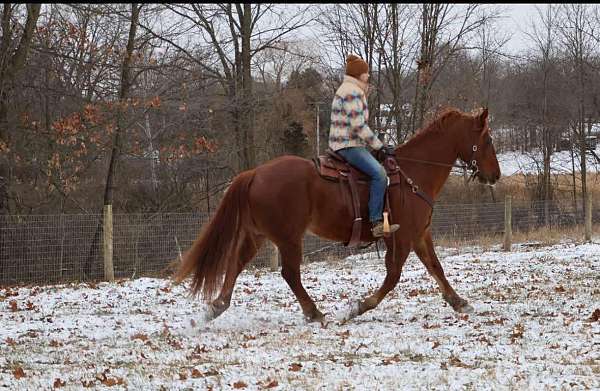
(9, 69)
(247, 104)
(116, 146)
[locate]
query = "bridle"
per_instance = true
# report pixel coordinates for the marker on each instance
(470, 164)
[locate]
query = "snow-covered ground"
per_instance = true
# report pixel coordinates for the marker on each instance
(532, 163)
(535, 326)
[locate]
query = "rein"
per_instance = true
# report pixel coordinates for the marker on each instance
(472, 165)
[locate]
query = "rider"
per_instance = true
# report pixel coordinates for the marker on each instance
(349, 134)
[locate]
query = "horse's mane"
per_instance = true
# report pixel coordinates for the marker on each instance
(435, 124)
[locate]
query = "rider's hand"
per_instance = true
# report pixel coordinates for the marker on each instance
(388, 150)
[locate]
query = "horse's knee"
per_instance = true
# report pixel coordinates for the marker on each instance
(287, 273)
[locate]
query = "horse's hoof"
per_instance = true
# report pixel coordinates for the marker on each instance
(213, 312)
(466, 309)
(316, 316)
(210, 313)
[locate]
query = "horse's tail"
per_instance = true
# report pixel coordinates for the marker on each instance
(215, 248)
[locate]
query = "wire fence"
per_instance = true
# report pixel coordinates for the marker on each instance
(46, 249)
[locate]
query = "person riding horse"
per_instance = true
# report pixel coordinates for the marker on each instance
(349, 135)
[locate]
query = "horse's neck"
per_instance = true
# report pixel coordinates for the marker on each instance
(439, 147)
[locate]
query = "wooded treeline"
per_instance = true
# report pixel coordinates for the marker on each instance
(154, 107)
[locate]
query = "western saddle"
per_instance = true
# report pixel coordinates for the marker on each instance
(334, 167)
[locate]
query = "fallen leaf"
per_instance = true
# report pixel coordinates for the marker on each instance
(140, 336)
(394, 358)
(559, 289)
(455, 362)
(517, 332)
(113, 381)
(271, 384)
(239, 384)
(54, 343)
(596, 315)
(295, 367)
(196, 373)
(13, 305)
(58, 383)
(10, 342)
(18, 373)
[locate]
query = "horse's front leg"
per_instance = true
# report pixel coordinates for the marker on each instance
(426, 253)
(394, 260)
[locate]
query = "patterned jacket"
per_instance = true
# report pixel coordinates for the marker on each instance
(349, 116)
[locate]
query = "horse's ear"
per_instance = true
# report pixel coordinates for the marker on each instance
(483, 117)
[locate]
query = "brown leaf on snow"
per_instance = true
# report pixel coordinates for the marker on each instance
(517, 332)
(13, 305)
(113, 381)
(196, 373)
(560, 289)
(18, 373)
(455, 362)
(239, 384)
(58, 383)
(110, 381)
(271, 384)
(394, 358)
(140, 336)
(10, 342)
(54, 343)
(295, 367)
(595, 315)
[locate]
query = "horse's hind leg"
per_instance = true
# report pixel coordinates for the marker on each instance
(426, 253)
(248, 248)
(291, 257)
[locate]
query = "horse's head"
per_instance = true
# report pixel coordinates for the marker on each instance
(477, 149)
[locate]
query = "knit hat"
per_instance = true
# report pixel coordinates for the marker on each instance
(356, 66)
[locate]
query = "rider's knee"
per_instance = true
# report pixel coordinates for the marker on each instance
(381, 175)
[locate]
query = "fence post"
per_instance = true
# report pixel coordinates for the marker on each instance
(274, 261)
(109, 271)
(588, 216)
(507, 223)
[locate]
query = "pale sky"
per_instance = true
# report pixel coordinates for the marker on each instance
(519, 20)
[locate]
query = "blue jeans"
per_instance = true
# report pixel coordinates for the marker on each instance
(362, 159)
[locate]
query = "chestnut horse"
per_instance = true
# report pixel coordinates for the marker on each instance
(283, 198)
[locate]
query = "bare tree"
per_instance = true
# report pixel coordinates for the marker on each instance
(443, 28)
(232, 35)
(543, 36)
(14, 48)
(576, 39)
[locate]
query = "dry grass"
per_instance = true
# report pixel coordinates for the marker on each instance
(519, 187)
(544, 236)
